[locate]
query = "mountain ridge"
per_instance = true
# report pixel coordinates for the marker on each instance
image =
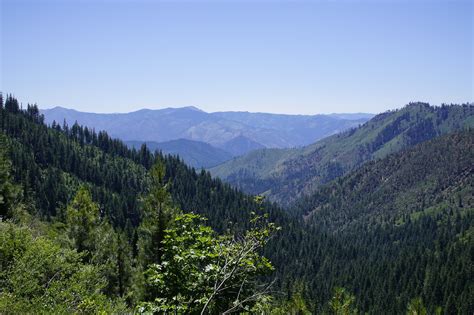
(286, 174)
(216, 129)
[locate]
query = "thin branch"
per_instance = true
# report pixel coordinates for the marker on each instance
(252, 297)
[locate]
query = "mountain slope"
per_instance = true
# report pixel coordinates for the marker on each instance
(194, 153)
(241, 145)
(407, 185)
(222, 129)
(52, 162)
(404, 223)
(286, 174)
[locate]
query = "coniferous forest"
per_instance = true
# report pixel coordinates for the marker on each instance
(89, 225)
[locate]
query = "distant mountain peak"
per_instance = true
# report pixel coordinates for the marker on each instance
(60, 108)
(184, 108)
(193, 108)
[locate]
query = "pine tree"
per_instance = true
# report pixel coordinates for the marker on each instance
(83, 220)
(8, 191)
(157, 213)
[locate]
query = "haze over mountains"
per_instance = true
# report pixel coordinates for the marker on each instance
(234, 132)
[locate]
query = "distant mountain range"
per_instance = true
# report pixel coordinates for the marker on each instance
(286, 174)
(234, 132)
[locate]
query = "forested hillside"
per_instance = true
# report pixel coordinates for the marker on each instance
(284, 175)
(51, 163)
(89, 225)
(102, 219)
(394, 229)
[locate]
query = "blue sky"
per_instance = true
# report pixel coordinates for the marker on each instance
(298, 57)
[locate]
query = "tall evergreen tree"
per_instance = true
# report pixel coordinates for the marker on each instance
(82, 221)
(8, 191)
(158, 211)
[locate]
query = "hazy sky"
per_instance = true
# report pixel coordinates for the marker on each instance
(272, 56)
